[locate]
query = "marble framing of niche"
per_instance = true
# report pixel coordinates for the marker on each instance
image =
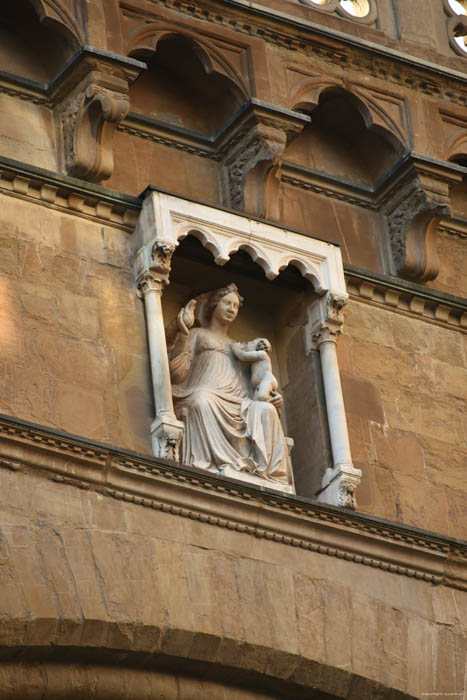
(165, 221)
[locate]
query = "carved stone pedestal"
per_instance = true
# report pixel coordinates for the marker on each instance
(166, 434)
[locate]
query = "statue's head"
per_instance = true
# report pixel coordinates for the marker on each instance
(210, 301)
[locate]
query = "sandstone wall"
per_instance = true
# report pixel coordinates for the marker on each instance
(87, 572)
(74, 351)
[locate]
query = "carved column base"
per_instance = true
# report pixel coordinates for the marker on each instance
(339, 485)
(166, 434)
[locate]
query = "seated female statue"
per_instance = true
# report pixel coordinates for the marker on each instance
(225, 426)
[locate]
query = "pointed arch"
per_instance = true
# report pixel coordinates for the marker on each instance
(308, 94)
(144, 40)
(54, 14)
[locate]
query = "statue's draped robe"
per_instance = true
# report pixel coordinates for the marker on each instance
(223, 425)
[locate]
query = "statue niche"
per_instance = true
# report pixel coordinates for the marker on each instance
(225, 394)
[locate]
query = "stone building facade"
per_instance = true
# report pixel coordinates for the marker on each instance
(283, 146)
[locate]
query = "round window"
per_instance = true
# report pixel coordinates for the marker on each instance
(356, 8)
(458, 6)
(363, 11)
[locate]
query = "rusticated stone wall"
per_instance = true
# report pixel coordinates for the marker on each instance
(139, 566)
(74, 357)
(74, 352)
(405, 390)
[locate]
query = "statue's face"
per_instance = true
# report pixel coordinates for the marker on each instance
(227, 309)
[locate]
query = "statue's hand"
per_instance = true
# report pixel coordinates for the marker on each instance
(276, 400)
(186, 316)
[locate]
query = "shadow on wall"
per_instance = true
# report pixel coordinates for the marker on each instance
(274, 309)
(30, 47)
(182, 88)
(343, 140)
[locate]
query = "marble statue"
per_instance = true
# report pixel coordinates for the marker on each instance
(230, 412)
(255, 353)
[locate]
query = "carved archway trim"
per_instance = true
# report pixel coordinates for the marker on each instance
(53, 12)
(146, 39)
(307, 93)
(223, 233)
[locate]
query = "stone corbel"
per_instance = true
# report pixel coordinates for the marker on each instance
(340, 481)
(92, 99)
(251, 154)
(152, 267)
(420, 201)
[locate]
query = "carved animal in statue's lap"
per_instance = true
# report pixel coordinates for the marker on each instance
(256, 354)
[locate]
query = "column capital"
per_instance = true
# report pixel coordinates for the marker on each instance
(149, 281)
(326, 320)
(152, 267)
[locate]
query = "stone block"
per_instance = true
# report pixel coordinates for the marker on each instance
(338, 615)
(9, 255)
(80, 410)
(368, 323)
(125, 329)
(79, 316)
(367, 637)
(11, 339)
(399, 450)
(445, 421)
(361, 440)
(445, 465)
(362, 398)
(383, 364)
(450, 661)
(27, 132)
(39, 304)
(436, 378)
(402, 408)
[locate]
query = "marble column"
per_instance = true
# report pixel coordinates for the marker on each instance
(341, 480)
(166, 430)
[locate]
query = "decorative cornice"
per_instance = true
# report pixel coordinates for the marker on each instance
(48, 93)
(106, 206)
(228, 503)
(456, 226)
(407, 298)
(351, 52)
(65, 193)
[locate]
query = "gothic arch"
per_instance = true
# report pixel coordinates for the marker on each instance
(143, 41)
(456, 147)
(57, 16)
(307, 95)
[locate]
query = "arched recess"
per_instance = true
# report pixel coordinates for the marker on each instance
(155, 660)
(277, 294)
(457, 153)
(189, 83)
(37, 37)
(350, 135)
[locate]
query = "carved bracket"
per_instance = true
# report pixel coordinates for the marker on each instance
(251, 154)
(92, 99)
(419, 201)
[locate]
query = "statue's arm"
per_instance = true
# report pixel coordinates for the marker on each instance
(248, 355)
